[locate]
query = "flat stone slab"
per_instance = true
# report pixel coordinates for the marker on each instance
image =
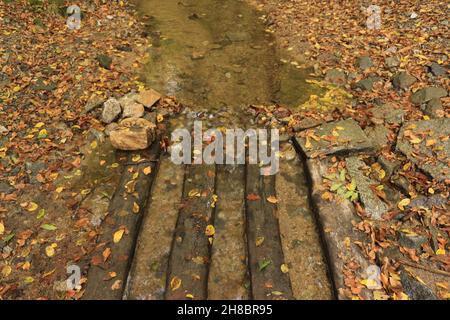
(426, 143)
(343, 137)
(372, 203)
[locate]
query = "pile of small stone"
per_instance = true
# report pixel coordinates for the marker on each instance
(129, 125)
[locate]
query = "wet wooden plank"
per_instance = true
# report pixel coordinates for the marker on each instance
(228, 271)
(190, 256)
(107, 276)
(147, 280)
(265, 253)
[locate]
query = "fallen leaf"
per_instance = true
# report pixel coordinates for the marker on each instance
(210, 230)
(175, 283)
(118, 235)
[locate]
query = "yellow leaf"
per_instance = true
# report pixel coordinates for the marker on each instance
(215, 197)
(160, 118)
(59, 189)
(190, 296)
(50, 251)
(136, 158)
(39, 125)
(430, 190)
(175, 283)
(284, 268)
(135, 207)
(272, 199)
(440, 251)
(2, 228)
(32, 207)
(210, 230)
(94, 144)
(259, 241)
(118, 235)
(114, 165)
(147, 170)
(28, 280)
(401, 205)
(6, 271)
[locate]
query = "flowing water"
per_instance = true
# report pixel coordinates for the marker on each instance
(216, 54)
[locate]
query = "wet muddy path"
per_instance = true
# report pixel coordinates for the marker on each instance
(217, 54)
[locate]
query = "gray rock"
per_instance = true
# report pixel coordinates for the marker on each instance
(111, 110)
(104, 61)
(5, 188)
(378, 135)
(427, 94)
(368, 83)
(372, 203)
(403, 80)
(132, 110)
(110, 127)
(411, 242)
(388, 114)
(436, 69)
(351, 138)
(389, 166)
(93, 102)
(364, 62)
(35, 167)
(428, 202)
(415, 289)
(392, 62)
(434, 108)
(402, 183)
(432, 158)
(336, 76)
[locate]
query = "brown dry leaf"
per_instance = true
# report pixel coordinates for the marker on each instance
(135, 208)
(253, 197)
(106, 253)
(116, 285)
(259, 241)
(272, 199)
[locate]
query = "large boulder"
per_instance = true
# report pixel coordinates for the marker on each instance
(133, 134)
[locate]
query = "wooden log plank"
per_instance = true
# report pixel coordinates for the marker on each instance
(190, 257)
(265, 252)
(228, 271)
(108, 273)
(300, 236)
(147, 280)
